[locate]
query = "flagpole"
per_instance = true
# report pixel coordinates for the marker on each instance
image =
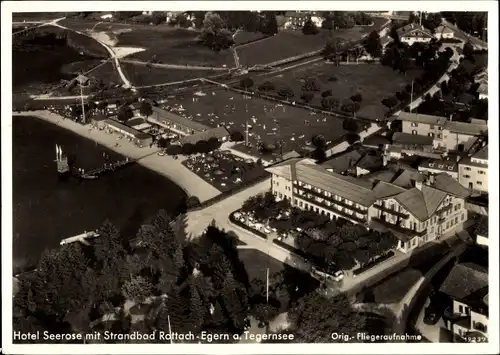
(170, 329)
(267, 285)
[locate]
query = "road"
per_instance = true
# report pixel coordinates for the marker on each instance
(126, 82)
(41, 24)
(173, 66)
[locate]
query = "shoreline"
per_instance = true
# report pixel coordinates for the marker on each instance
(165, 165)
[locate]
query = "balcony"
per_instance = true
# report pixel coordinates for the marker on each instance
(391, 211)
(444, 209)
(409, 232)
(331, 200)
(311, 198)
(450, 315)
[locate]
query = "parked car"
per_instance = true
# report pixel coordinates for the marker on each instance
(431, 315)
(266, 230)
(237, 215)
(338, 276)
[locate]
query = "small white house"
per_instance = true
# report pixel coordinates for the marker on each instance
(444, 31)
(107, 17)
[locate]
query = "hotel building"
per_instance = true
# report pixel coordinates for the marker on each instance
(417, 209)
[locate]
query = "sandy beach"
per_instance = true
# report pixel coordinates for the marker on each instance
(165, 165)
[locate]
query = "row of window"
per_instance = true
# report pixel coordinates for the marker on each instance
(480, 172)
(468, 177)
(330, 195)
(439, 136)
(415, 124)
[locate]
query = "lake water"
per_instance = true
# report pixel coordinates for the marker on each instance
(47, 210)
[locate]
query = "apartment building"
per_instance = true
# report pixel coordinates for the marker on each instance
(467, 316)
(473, 171)
(414, 208)
(447, 165)
(446, 134)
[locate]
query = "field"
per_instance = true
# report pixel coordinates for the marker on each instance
(281, 46)
(245, 37)
(141, 75)
(173, 46)
(256, 263)
(373, 81)
(268, 122)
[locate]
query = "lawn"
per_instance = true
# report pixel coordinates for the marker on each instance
(268, 122)
(141, 75)
(257, 262)
(173, 46)
(373, 81)
(106, 73)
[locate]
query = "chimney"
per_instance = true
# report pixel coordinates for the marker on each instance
(458, 158)
(430, 181)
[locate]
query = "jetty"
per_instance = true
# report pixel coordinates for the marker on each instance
(107, 167)
(82, 238)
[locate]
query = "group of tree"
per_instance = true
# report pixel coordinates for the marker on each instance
(345, 243)
(470, 21)
(345, 19)
(202, 146)
(372, 44)
(214, 33)
(264, 206)
(310, 27)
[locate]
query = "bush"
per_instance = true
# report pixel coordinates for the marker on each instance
(329, 103)
(192, 201)
(266, 86)
(357, 97)
(286, 93)
(352, 138)
(327, 93)
(350, 125)
(307, 96)
(246, 83)
(310, 85)
(237, 136)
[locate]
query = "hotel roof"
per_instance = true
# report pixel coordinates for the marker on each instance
(446, 183)
(448, 164)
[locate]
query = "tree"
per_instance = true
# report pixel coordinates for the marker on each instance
(372, 44)
(310, 85)
(266, 86)
(213, 143)
(286, 93)
(137, 289)
(174, 149)
(327, 93)
(310, 28)
(357, 97)
(350, 125)
(327, 23)
(201, 147)
(102, 105)
(188, 149)
(329, 103)
(214, 34)
(269, 25)
(237, 136)
(146, 109)
(432, 21)
(315, 318)
(352, 138)
(307, 96)
(319, 141)
(390, 102)
(125, 113)
(468, 50)
(332, 47)
(264, 313)
(246, 83)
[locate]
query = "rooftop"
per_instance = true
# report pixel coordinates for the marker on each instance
(376, 140)
(176, 119)
(342, 162)
(401, 138)
(121, 126)
(467, 283)
(482, 227)
(412, 29)
(447, 164)
(443, 29)
(482, 154)
(422, 118)
(466, 128)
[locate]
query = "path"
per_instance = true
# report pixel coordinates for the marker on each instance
(126, 82)
(165, 165)
(173, 66)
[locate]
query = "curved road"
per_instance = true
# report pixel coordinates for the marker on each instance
(126, 82)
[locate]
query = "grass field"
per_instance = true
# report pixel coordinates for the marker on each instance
(256, 263)
(141, 75)
(245, 37)
(269, 122)
(173, 46)
(107, 73)
(373, 81)
(393, 289)
(283, 45)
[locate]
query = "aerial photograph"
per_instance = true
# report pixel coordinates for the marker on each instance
(244, 177)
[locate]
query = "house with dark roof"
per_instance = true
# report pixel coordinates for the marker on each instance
(417, 208)
(466, 286)
(448, 165)
(446, 134)
(414, 33)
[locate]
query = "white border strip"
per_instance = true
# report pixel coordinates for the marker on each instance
(6, 130)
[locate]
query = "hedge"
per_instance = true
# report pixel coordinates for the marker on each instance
(370, 265)
(244, 226)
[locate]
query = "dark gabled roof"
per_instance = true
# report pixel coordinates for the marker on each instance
(446, 183)
(432, 199)
(466, 280)
(406, 178)
(376, 140)
(342, 162)
(411, 139)
(413, 201)
(135, 122)
(466, 128)
(412, 28)
(384, 189)
(422, 118)
(370, 162)
(482, 154)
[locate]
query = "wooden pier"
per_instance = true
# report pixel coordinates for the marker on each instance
(108, 167)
